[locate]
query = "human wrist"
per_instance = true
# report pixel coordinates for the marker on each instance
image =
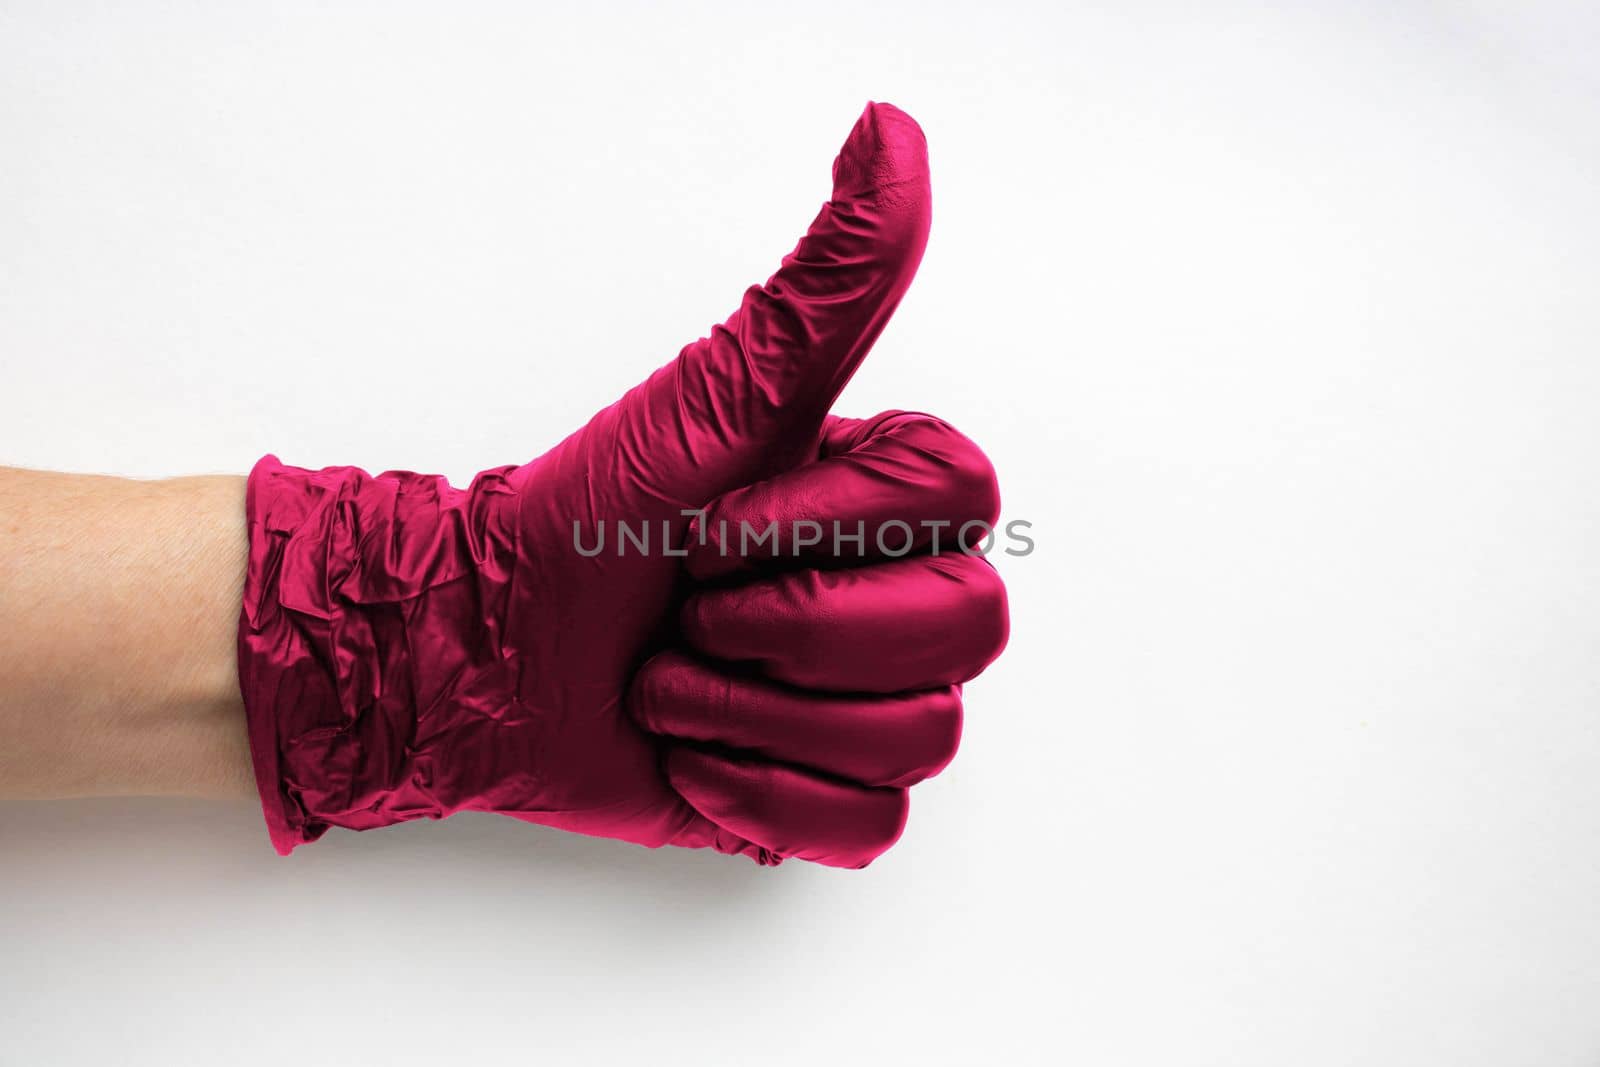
(118, 600)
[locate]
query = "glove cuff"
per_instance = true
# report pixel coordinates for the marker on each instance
(346, 572)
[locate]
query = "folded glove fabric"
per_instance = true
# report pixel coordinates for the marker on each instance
(409, 649)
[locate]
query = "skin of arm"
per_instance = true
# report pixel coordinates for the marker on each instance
(119, 606)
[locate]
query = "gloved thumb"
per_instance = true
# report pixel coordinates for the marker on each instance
(749, 399)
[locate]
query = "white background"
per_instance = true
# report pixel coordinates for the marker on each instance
(1281, 327)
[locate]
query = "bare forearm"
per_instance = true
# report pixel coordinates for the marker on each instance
(118, 606)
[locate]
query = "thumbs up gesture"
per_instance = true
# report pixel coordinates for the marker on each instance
(713, 616)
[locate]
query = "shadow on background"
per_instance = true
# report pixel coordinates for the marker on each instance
(175, 860)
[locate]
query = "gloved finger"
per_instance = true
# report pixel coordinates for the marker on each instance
(893, 740)
(788, 811)
(916, 623)
(749, 399)
(897, 484)
(700, 832)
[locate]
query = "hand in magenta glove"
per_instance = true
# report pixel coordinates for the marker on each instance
(408, 649)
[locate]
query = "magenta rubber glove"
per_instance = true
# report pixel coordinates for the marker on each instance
(408, 649)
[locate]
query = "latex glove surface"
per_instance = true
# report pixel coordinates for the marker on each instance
(408, 649)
